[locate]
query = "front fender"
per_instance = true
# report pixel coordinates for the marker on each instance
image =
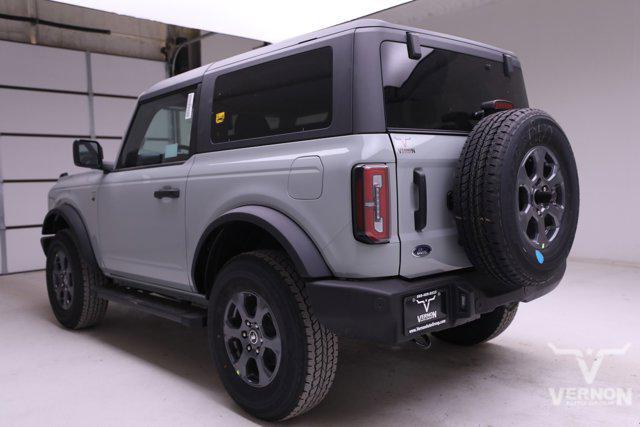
(67, 215)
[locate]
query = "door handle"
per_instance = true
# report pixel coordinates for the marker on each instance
(420, 215)
(171, 193)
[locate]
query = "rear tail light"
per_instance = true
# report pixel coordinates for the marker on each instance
(370, 195)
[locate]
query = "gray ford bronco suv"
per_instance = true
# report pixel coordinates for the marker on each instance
(369, 180)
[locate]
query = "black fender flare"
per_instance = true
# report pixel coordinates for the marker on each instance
(303, 252)
(71, 217)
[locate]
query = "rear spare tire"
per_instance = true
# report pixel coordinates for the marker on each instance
(516, 198)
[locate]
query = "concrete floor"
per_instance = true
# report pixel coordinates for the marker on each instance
(135, 369)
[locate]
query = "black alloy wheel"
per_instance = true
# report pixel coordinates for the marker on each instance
(541, 190)
(252, 338)
(62, 277)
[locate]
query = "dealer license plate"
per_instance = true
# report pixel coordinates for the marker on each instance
(424, 311)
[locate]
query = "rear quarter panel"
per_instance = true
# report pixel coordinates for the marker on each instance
(223, 180)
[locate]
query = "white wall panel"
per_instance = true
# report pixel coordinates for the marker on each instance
(117, 75)
(35, 158)
(42, 67)
(23, 111)
(23, 157)
(25, 203)
(112, 115)
(47, 114)
(110, 149)
(23, 250)
(221, 46)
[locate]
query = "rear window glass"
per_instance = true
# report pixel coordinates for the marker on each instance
(287, 95)
(443, 90)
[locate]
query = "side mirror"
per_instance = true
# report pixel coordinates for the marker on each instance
(87, 154)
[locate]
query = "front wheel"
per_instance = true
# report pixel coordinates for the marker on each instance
(273, 356)
(71, 283)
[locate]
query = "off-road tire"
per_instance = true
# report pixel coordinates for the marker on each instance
(87, 308)
(485, 199)
(487, 327)
(309, 351)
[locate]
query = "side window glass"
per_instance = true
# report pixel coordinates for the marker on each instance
(161, 131)
(291, 94)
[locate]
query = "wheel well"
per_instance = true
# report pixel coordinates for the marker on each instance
(225, 242)
(53, 223)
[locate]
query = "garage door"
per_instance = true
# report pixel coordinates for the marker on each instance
(48, 98)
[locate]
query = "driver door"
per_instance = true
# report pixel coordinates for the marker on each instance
(141, 204)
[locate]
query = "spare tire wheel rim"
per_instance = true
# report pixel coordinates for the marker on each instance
(252, 338)
(540, 198)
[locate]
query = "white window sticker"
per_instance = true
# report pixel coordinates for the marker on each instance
(170, 151)
(189, 110)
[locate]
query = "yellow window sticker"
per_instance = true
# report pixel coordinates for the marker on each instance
(220, 117)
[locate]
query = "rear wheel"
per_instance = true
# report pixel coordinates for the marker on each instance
(71, 283)
(273, 356)
(487, 327)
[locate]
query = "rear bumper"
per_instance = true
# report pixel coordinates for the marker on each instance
(373, 310)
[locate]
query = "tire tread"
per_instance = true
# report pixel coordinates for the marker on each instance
(322, 344)
(94, 308)
(476, 197)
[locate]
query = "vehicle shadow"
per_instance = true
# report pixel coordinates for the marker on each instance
(375, 379)
(371, 379)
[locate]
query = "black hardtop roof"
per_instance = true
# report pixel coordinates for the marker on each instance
(194, 76)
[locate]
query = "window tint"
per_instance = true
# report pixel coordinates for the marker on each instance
(291, 94)
(161, 131)
(443, 89)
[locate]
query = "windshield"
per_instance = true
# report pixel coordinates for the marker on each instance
(443, 89)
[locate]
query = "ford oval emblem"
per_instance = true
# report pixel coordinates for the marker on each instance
(421, 251)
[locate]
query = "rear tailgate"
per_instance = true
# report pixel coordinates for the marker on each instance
(435, 156)
(433, 97)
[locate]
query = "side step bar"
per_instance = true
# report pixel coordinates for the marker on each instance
(180, 312)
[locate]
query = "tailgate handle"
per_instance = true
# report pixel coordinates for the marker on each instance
(420, 215)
